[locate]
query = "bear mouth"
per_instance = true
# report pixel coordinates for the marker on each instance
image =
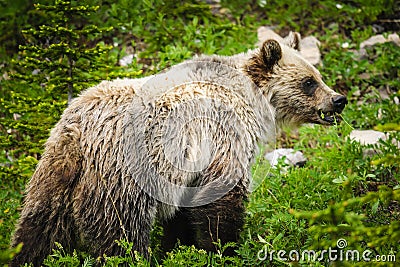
(329, 117)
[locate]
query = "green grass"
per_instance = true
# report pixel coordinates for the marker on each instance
(339, 193)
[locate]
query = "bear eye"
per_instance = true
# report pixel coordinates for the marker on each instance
(309, 85)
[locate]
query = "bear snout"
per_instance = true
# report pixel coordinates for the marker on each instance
(339, 102)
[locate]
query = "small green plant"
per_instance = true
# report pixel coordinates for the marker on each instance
(61, 258)
(8, 254)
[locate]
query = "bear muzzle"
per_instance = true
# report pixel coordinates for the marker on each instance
(333, 116)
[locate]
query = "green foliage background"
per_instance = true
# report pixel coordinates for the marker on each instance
(50, 50)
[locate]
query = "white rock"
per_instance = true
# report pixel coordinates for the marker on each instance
(126, 60)
(292, 157)
(396, 100)
(370, 137)
(394, 37)
(367, 137)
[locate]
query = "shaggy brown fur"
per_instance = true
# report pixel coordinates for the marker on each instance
(177, 146)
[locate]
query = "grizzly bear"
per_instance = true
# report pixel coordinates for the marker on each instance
(176, 147)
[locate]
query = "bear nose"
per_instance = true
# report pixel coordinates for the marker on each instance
(338, 103)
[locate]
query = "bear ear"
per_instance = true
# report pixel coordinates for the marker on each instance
(261, 64)
(293, 40)
(270, 54)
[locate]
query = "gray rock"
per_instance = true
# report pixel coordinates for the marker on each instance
(294, 158)
(309, 49)
(35, 72)
(384, 93)
(380, 39)
(309, 46)
(377, 39)
(264, 33)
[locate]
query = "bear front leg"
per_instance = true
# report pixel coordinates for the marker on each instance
(221, 220)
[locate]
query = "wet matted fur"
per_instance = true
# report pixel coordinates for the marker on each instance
(177, 147)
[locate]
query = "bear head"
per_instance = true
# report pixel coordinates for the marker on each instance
(292, 85)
